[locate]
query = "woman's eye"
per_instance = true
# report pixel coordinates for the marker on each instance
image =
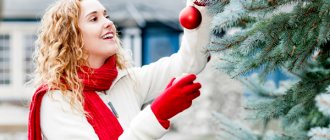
(94, 19)
(108, 17)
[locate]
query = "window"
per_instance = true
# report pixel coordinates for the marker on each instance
(4, 60)
(28, 52)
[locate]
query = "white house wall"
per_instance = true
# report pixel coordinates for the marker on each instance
(17, 89)
(17, 31)
(14, 97)
(132, 41)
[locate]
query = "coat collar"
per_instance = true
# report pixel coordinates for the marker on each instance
(121, 73)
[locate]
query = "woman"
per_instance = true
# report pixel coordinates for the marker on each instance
(88, 91)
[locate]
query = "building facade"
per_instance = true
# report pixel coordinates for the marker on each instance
(146, 35)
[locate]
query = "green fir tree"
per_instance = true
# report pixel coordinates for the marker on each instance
(267, 35)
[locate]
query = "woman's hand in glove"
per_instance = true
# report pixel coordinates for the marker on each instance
(176, 97)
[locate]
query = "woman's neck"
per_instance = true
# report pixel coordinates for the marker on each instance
(96, 62)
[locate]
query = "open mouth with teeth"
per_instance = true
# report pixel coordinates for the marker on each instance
(108, 36)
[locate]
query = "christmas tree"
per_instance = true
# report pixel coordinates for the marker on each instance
(292, 36)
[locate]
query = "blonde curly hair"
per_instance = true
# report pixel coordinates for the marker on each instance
(60, 51)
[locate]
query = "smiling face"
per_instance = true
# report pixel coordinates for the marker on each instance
(98, 31)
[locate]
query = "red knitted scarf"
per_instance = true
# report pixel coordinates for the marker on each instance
(105, 124)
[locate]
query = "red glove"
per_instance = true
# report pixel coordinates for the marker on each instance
(176, 98)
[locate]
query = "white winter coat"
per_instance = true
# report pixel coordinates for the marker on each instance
(130, 90)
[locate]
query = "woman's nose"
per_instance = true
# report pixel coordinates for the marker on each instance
(108, 23)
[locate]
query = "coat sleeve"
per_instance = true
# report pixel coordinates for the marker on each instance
(60, 122)
(144, 126)
(191, 58)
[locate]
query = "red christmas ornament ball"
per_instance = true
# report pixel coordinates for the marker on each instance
(190, 17)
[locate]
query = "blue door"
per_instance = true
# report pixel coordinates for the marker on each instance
(159, 42)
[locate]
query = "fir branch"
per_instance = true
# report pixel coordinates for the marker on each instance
(296, 102)
(298, 58)
(297, 41)
(226, 43)
(233, 129)
(319, 133)
(294, 114)
(315, 119)
(232, 16)
(216, 6)
(323, 103)
(258, 5)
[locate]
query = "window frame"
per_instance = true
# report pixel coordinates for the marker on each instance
(17, 89)
(3, 62)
